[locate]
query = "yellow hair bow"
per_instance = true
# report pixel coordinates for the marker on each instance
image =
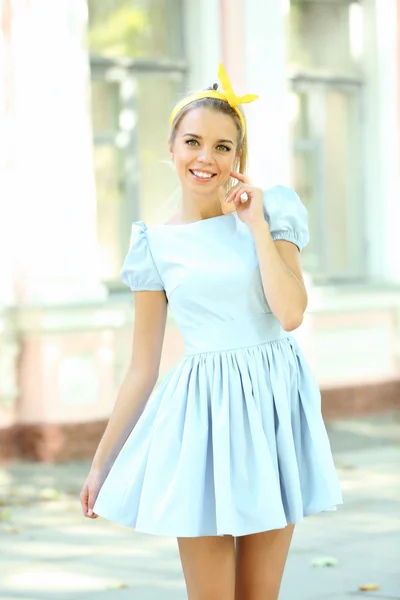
(228, 95)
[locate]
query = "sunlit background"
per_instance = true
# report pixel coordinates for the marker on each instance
(86, 93)
(86, 90)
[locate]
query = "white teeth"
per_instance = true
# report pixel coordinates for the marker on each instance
(203, 175)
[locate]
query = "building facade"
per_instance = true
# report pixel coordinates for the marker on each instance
(86, 93)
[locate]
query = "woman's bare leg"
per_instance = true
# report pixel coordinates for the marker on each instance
(260, 561)
(209, 567)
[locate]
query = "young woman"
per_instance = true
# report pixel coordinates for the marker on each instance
(231, 451)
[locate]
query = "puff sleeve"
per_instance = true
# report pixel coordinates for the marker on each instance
(139, 271)
(286, 215)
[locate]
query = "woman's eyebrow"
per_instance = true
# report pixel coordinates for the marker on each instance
(194, 135)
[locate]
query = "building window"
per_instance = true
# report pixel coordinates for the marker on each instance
(147, 29)
(137, 74)
(326, 85)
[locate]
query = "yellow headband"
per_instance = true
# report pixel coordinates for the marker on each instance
(228, 95)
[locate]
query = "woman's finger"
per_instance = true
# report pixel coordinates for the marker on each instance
(233, 191)
(240, 202)
(84, 500)
(245, 191)
(240, 176)
(92, 498)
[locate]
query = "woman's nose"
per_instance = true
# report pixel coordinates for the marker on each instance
(206, 155)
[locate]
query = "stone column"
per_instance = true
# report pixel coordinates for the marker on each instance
(233, 42)
(6, 155)
(381, 140)
(48, 211)
(264, 32)
(202, 34)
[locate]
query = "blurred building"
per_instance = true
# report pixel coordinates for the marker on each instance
(86, 89)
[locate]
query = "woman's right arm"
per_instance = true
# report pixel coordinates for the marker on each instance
(135, 390)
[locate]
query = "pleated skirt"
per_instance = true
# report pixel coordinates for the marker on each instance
(230, 443)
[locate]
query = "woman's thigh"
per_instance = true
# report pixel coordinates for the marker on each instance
(260, 561)
(209, 567)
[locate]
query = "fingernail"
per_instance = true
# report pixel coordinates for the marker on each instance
(90, 512)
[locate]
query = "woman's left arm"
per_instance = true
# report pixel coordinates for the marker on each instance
(279, 260)
(281, 276)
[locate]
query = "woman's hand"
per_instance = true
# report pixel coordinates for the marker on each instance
(250, 211)
(90, 490)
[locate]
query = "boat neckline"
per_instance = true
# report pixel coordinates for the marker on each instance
(195, 222)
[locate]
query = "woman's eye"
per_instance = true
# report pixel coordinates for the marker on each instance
(223, 148)
(191, 142)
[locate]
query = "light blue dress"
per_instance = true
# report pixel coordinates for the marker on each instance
(232, 441)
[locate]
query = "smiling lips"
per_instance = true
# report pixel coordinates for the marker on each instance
(203, 175)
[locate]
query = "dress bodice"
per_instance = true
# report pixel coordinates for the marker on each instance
(210, 273)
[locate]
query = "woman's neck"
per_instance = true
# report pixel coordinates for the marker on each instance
(195, 207)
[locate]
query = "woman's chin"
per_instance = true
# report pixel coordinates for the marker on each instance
(200, 188)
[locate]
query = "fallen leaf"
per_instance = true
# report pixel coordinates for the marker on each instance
(324, 561)
(369, 587)
(11, 529)
(49, 494)
(72, 492)
(120, 585)
(25, 502)
(6, 514)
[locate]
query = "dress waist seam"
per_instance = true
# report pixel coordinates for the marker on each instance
(236, 349)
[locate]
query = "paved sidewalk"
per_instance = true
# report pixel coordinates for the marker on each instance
(49, 551)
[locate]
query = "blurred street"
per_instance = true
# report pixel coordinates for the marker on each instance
(48, 550)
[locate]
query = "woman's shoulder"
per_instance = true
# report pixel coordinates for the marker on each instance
(286, 214)
(139, 270)
(141, 229)
(281, 191)
(282, 199)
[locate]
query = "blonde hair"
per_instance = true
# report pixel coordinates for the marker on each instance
(240, 164)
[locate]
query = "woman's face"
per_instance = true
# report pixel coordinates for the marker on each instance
(204, 150)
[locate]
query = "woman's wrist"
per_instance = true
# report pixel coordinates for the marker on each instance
(259, 229)
(101, 465)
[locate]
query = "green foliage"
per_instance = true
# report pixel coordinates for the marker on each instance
(121, 32)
